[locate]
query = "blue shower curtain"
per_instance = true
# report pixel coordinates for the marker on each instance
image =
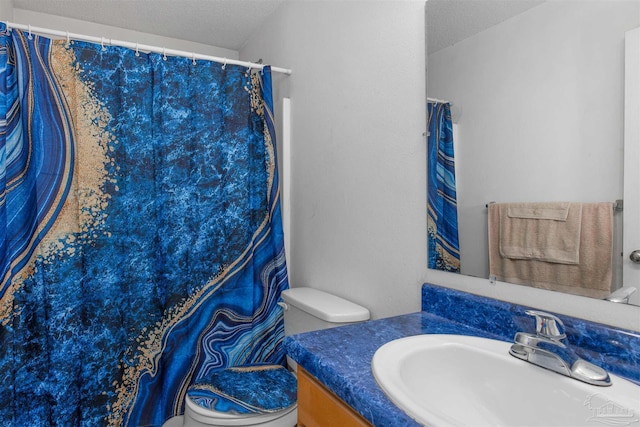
(141, 242)
(442, 211)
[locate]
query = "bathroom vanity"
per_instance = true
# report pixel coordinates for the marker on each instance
(319, 407)
(338, 361)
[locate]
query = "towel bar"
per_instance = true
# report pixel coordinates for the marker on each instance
(618, 205)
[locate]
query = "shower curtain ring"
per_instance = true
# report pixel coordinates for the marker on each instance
(68, 39)
(224, 65)
(102, 43)
(164, 53)
(193, 58)
(30, 36)
(137, 51)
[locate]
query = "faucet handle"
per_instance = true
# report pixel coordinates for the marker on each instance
(548, 325)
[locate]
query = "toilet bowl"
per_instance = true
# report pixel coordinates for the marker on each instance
(250, 395)
(197, 416)
(268, 397)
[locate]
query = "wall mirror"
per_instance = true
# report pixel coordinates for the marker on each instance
(537, 93)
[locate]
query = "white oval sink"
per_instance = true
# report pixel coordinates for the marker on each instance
(456, 380)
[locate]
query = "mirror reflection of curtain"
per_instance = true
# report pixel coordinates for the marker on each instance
(442, 211)
(141, 245)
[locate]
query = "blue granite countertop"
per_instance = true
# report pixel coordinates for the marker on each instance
(340, 358)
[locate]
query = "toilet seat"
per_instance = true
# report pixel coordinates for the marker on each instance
(262, 395)
(287, 417)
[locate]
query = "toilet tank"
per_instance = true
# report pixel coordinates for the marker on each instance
(309, 309)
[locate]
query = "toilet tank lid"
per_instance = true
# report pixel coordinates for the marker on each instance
(325, 306)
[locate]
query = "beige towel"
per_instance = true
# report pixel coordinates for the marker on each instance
(543, 231)
(592, 276)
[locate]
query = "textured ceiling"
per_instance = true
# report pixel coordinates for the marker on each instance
(222, 23)
(230, 23)
(450, 21)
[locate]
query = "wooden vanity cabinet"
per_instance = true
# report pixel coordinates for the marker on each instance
(319, 407)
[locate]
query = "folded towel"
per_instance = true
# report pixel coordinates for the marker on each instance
(556, 210)
(543, 231)
(591, 277)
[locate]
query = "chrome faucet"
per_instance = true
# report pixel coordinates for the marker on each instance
(548, 349)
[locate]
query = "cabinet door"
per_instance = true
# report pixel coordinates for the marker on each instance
(318, 407)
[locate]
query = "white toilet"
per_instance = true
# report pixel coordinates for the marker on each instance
(305, 309)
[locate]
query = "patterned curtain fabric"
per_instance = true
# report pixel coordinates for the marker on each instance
(442, 211)
(140, 230)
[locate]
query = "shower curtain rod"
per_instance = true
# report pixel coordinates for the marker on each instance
(140, 47)
(439, 100)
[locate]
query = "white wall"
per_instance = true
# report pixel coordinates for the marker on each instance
(358, 114)
(6, 10)
(52, 22)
